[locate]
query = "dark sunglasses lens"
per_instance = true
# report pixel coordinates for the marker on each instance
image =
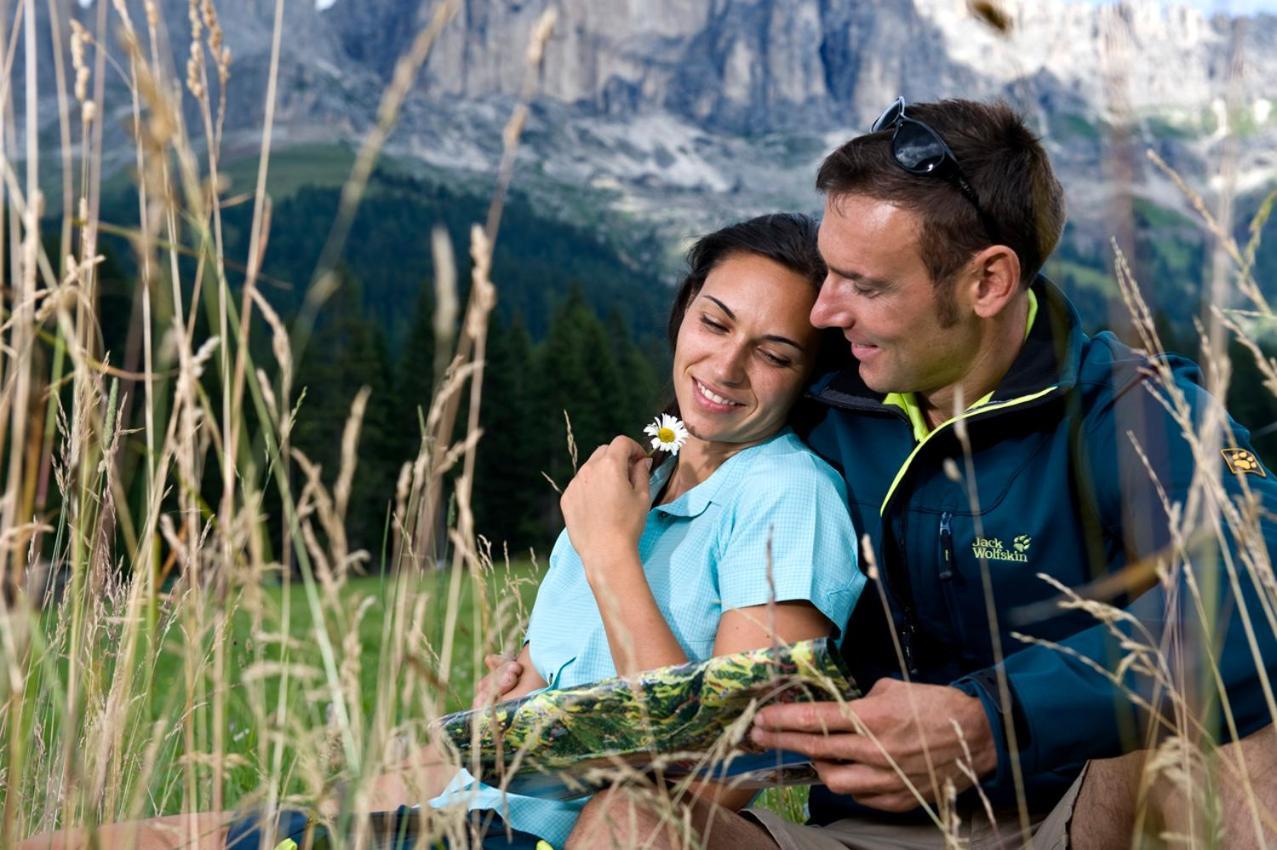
(917, 149)
(889, 116)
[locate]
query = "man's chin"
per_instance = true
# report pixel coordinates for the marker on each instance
(875, 381)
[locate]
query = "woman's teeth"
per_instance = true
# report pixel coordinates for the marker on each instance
(713, 396)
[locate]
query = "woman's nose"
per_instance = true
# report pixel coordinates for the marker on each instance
(729, 366)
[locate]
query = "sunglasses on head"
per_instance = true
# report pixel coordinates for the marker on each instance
(919, 149)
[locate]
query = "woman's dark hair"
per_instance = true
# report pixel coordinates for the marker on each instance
(788, 239)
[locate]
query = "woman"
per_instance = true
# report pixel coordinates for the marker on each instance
(666, 566)
(743, 539)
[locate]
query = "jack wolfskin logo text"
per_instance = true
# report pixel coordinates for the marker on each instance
(992, 549)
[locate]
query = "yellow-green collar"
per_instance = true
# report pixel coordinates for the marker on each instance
(909, 404)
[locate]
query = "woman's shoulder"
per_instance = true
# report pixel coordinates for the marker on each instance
(785, 463)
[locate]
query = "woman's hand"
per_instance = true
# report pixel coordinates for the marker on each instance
(507, 678)
(605, 506)
(503, 675)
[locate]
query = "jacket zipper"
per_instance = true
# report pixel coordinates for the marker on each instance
(946, 545)
(948, 564)
(907, 634)
(904, 594)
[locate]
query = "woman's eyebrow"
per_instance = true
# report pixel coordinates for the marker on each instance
(783, 340)
(722, 307)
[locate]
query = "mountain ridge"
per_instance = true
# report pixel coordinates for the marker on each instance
(672, 117)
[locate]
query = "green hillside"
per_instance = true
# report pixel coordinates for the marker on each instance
(578, 326)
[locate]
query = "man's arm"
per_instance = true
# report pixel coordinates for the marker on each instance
(1065, 696)
(1195, 648)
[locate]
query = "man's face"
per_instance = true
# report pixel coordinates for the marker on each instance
(880, 294)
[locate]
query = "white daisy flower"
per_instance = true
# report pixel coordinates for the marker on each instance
(668, 433)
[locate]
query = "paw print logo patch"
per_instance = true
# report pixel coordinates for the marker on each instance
(1243, 462)
(1022, 542)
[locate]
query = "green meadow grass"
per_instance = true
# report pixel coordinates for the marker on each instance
(375, 595)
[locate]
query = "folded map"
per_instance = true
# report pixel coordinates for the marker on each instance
(692, 719)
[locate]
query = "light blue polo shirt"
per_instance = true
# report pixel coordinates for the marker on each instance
(704, 553)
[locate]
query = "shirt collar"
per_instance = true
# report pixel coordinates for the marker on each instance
(721, 481)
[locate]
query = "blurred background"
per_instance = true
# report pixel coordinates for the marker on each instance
(651, 122)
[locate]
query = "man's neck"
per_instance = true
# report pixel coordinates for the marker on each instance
(998, 349)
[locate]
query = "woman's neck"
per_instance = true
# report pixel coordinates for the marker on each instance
(697, 461)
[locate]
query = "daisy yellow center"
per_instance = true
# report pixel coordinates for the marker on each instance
(665, 435)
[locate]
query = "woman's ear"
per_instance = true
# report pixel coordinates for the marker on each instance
(995, 280)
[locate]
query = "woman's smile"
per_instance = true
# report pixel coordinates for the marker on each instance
(713, 401)
(743, 352)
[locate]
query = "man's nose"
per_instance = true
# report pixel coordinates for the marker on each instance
(831, 309)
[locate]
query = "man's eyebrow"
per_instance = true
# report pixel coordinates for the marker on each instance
(722, 307)
(857, 276)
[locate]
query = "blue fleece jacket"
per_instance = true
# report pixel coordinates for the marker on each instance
(1076, 457)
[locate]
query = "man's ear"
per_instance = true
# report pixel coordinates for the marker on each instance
(994, 280)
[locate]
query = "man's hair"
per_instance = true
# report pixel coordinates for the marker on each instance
(1002, 160)
(787, 239)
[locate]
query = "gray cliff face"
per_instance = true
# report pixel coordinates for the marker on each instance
(741, 66)
(681, 113)
(748, 65)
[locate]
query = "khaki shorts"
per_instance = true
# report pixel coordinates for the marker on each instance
(1049, 833)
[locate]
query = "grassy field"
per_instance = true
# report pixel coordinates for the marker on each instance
(174, 673)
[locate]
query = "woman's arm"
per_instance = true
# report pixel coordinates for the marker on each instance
(637, 632)
(605, 509)
(428, 772)
(754, 627)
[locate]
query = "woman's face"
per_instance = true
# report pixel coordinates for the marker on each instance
(744, 350)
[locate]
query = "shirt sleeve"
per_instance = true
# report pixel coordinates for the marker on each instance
(559, 587)
(790, 513)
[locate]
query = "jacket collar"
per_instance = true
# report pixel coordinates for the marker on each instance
(1049, 358)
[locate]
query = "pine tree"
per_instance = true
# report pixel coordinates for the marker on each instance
(414, 377)
(640, 400)
(346, 353)
(508, 482)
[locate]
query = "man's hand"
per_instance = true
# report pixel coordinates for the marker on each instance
(503, 674)
(853, 746)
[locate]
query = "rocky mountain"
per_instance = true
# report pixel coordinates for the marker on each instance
(669, 116)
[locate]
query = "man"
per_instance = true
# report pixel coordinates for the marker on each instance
(986, 440)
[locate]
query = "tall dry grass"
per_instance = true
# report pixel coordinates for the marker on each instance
(124, 695)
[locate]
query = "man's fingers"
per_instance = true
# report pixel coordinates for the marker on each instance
(806, 717)
(861, 781)
(896, 803)
(844, 746)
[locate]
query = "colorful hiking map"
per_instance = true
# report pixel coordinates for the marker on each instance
(671, 722)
